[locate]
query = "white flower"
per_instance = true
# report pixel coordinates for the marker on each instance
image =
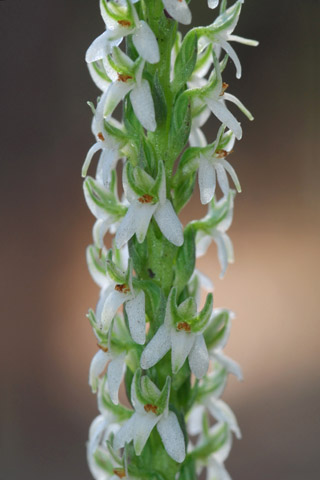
(139, 89)
(99, 432)
(149, 415)
(222, 29)
(180, 339)
(212, 163)
(134, 301)
(218, 409)
(179, 10)
(216, 353)
(219, 235)
(142, 36)
(213, 3)
(115, 372)
(141, 210)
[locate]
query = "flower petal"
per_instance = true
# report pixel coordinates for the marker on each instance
(197, 138)
(115, 93)
(126, 432)
(107, 162)
(206, 180)
(232, 173)
(232, 54)
(222, 179)
(144, 426)
(181, 344)
(172, 437)
(222, 113)
(135, 309)
(114, 376)
(142, 104)
(213, 3)
(127, 227)
(143, 216)
(99, 48)
(223, 413)
(199, 357)
(178, 10)
(230, 365)
(146, 43)
(95, 148)
(114, 300)
(156, 348)
(195, 420)
(98, 364)
(169, 223)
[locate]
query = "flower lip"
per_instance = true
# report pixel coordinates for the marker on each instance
(151, 408)
(184, 326)
(122, 288)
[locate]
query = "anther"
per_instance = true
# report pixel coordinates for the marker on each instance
(104, 349)
(100, 136)
(122, 288)
(184, 326)
(123, 78)
(150, 408)
(124, 23)
(120, 472)
(145, 198)
(223, 88)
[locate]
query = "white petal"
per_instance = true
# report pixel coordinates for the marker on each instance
(135, 309)
(143, 428)
(178, 10)
(95, 148)
(113, 301)
(195, 420)
(107, 163)
(114, 376)
(222, 113)
(202, 244)
(232, 174)
(126, 432)
(146, 43)
(199, 357)
(172, 437)
(98, 364)
(156, 348)
(181, 344)
(223, 413)
(99, 48)
(169, 223)
(115, 93)
(99, 230)
(142, 104)
(197, 138)
(144, 214)
(222, 253)
(95, 209)
(213, 3)
(99, 277)
(236, 101)
(230, 365)
(222, 453)
(232, 54)
(222, 179)
(217, 470)
(207, 180)
(127, 227)
(244, 41)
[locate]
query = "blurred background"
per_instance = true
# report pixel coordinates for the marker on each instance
(46, 341)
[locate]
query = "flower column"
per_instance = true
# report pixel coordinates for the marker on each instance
(149, 326)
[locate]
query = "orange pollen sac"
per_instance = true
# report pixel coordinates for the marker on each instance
(104, 349)
(224, 88)
(145, 198)
(122, 288)
(184, 326)
(151, 408)
(123, 78)
(100, 136)
(124, 23)
(119, 472)
(221, 153)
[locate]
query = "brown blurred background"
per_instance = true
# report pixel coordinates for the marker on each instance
(47, 344)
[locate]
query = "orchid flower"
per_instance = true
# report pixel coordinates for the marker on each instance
(182, 334)
(179, 10)
(151, 409)
(128, 79)
(145, 206)
(122, 20)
